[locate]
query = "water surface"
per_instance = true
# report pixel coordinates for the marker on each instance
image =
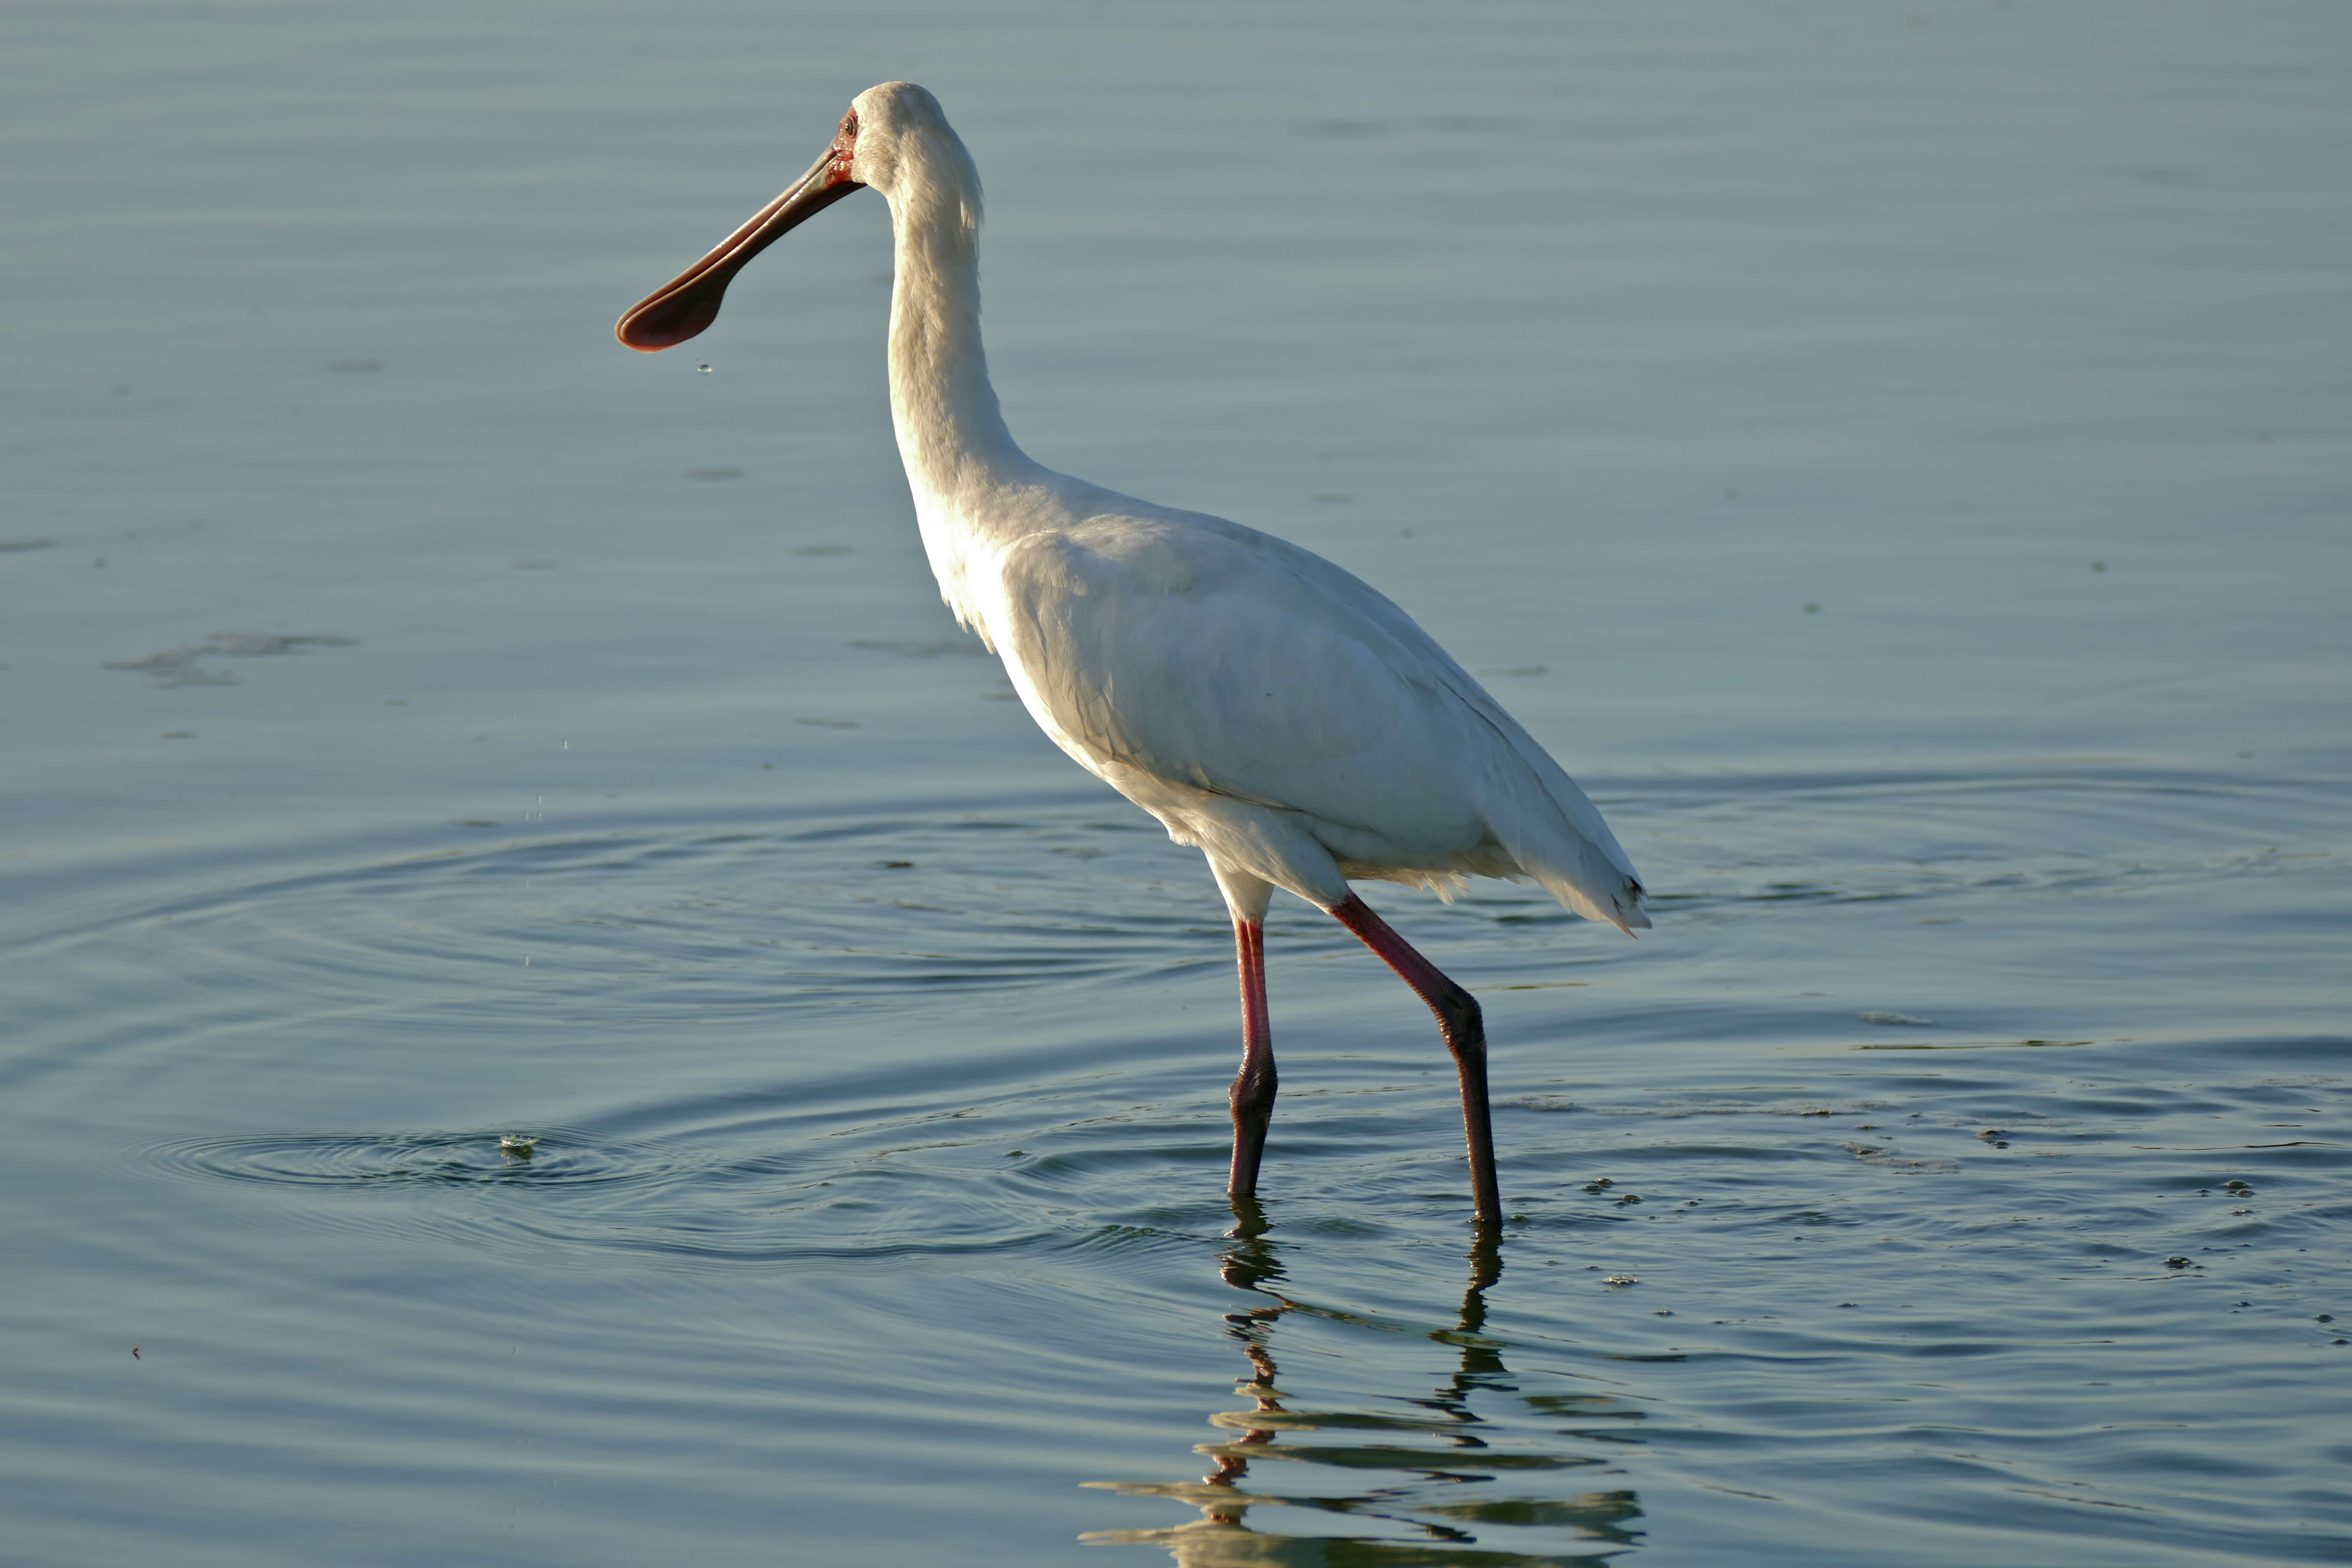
(1895, 459)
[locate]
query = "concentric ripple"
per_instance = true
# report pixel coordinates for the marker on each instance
(561, 1158)
(1875, 1140)
(595, 1196)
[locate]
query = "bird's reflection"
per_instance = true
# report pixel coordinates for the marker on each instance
(1425, 1519)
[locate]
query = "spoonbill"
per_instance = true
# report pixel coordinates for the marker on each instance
(1271, 709)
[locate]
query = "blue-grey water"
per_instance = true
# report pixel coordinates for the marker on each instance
(1895, 455)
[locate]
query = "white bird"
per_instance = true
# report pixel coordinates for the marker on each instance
(1268, 708)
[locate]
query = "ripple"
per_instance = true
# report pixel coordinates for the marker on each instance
(636, 919)
(848, 1044)
(561, 1158)
(605, 1197)
(611, 940)
(1965, 838)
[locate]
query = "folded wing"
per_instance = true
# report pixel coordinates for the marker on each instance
(1211, 655)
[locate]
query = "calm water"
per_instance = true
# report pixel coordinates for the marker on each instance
(1897, 457)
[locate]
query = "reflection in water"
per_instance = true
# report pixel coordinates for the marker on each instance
(1436, 1517)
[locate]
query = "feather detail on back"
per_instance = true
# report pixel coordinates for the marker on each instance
(1299, 689)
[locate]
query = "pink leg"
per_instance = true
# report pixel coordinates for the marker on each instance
(1465, 1036)
(1253, 1091)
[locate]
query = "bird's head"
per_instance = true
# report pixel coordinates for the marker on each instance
(895, 138)
(904, 142)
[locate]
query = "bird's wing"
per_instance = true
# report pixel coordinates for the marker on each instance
(1210, 655)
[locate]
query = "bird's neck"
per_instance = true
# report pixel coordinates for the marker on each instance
(951, 436)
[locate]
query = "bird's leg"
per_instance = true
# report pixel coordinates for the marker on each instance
(1459, 1022)
(1253, 1091)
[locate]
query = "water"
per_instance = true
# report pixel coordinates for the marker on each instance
(1896, 458)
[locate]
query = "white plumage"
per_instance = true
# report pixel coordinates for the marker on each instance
(1269, 707)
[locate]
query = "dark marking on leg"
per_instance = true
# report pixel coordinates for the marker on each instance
(1464, 1031)
(1254, 1087)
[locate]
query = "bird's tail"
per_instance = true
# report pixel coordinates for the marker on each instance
(1603, 891)
(1558, 838)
